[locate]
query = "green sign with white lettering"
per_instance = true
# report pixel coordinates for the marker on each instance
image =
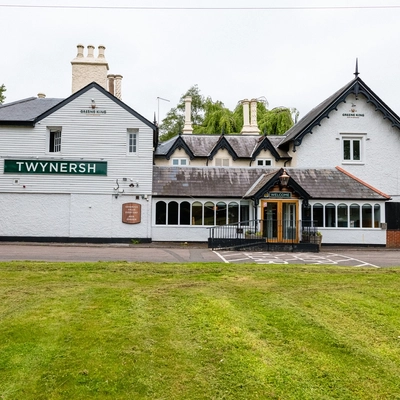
(55, 167)
(279, 195)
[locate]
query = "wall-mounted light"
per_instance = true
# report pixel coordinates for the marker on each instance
(134, 184)
(284, 178)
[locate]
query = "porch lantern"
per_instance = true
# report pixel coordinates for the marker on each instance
(284, 178)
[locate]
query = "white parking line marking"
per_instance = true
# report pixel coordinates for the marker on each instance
(292, 258)
(220, 256)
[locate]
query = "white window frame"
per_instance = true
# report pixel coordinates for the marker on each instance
(56, 142)
(265, 162)
(132, 135)
(221, 162)
(374, 222)
(179, 162)
(353, 138)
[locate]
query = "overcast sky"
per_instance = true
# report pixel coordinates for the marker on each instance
(293, 57)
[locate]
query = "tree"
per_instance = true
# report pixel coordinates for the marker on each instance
(217, 119)
(209, 117)
(276, 121)
(2, 90)
(272, 122)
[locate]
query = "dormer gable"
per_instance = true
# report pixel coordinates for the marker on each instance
(265, 145)
(266, 182)
(223, 144)
(179, 144)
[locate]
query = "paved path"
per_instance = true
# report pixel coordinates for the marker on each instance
(164, 252)
(54, 252)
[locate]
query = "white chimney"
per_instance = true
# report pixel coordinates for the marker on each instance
(188, 115)
(90, 50)
(101, 51)
(253, 115)
(250, 126)
(89, 69)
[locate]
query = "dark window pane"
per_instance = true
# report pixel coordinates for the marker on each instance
(185, 213)
(173, 213)
(161, 213)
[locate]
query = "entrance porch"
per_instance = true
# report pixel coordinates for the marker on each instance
(266, 235)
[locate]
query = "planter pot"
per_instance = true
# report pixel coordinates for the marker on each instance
(316, 239)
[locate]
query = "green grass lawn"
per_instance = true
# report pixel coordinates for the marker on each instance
(117, 330)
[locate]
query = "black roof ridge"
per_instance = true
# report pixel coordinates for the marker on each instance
(103, 91)
(317, 114)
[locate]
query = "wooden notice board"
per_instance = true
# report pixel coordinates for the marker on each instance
(131, 213)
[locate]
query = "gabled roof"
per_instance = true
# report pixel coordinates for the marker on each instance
(179, 144)
(223, 143)
(32, 110)
(268, 181)
(240, 146)
(266, 144)
(321, 184)
(316, 115)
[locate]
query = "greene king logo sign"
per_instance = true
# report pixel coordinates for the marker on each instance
(55, 167)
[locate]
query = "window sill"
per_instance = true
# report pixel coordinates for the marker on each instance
(353, 163)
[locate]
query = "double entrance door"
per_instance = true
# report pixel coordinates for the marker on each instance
(279, 220)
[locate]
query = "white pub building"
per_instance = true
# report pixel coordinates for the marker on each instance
(89, 168)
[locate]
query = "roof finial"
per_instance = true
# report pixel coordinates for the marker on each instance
(356, 73)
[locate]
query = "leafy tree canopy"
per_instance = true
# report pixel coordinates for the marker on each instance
(174, 121)
(209, 117)
(2, 90)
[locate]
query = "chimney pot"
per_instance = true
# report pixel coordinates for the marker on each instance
(90, 50)
(80, 51)
(101, 51)
(41, 96)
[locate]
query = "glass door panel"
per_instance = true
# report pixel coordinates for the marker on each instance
(280, 221)
(270, 226)
(289, 221)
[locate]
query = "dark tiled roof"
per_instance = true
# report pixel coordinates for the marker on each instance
(203, 182)
(202, 145)
(26, 110)
(33, 109)
(317, 114)
(260, 183)
(239, 182)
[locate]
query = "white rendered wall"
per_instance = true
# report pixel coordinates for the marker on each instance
(34, 215)
(63, 215)
(187, 233)
(356, 236)
(381, 165)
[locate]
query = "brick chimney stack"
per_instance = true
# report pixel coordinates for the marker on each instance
(89, 69)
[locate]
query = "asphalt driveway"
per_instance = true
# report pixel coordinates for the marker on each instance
(176, 252)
